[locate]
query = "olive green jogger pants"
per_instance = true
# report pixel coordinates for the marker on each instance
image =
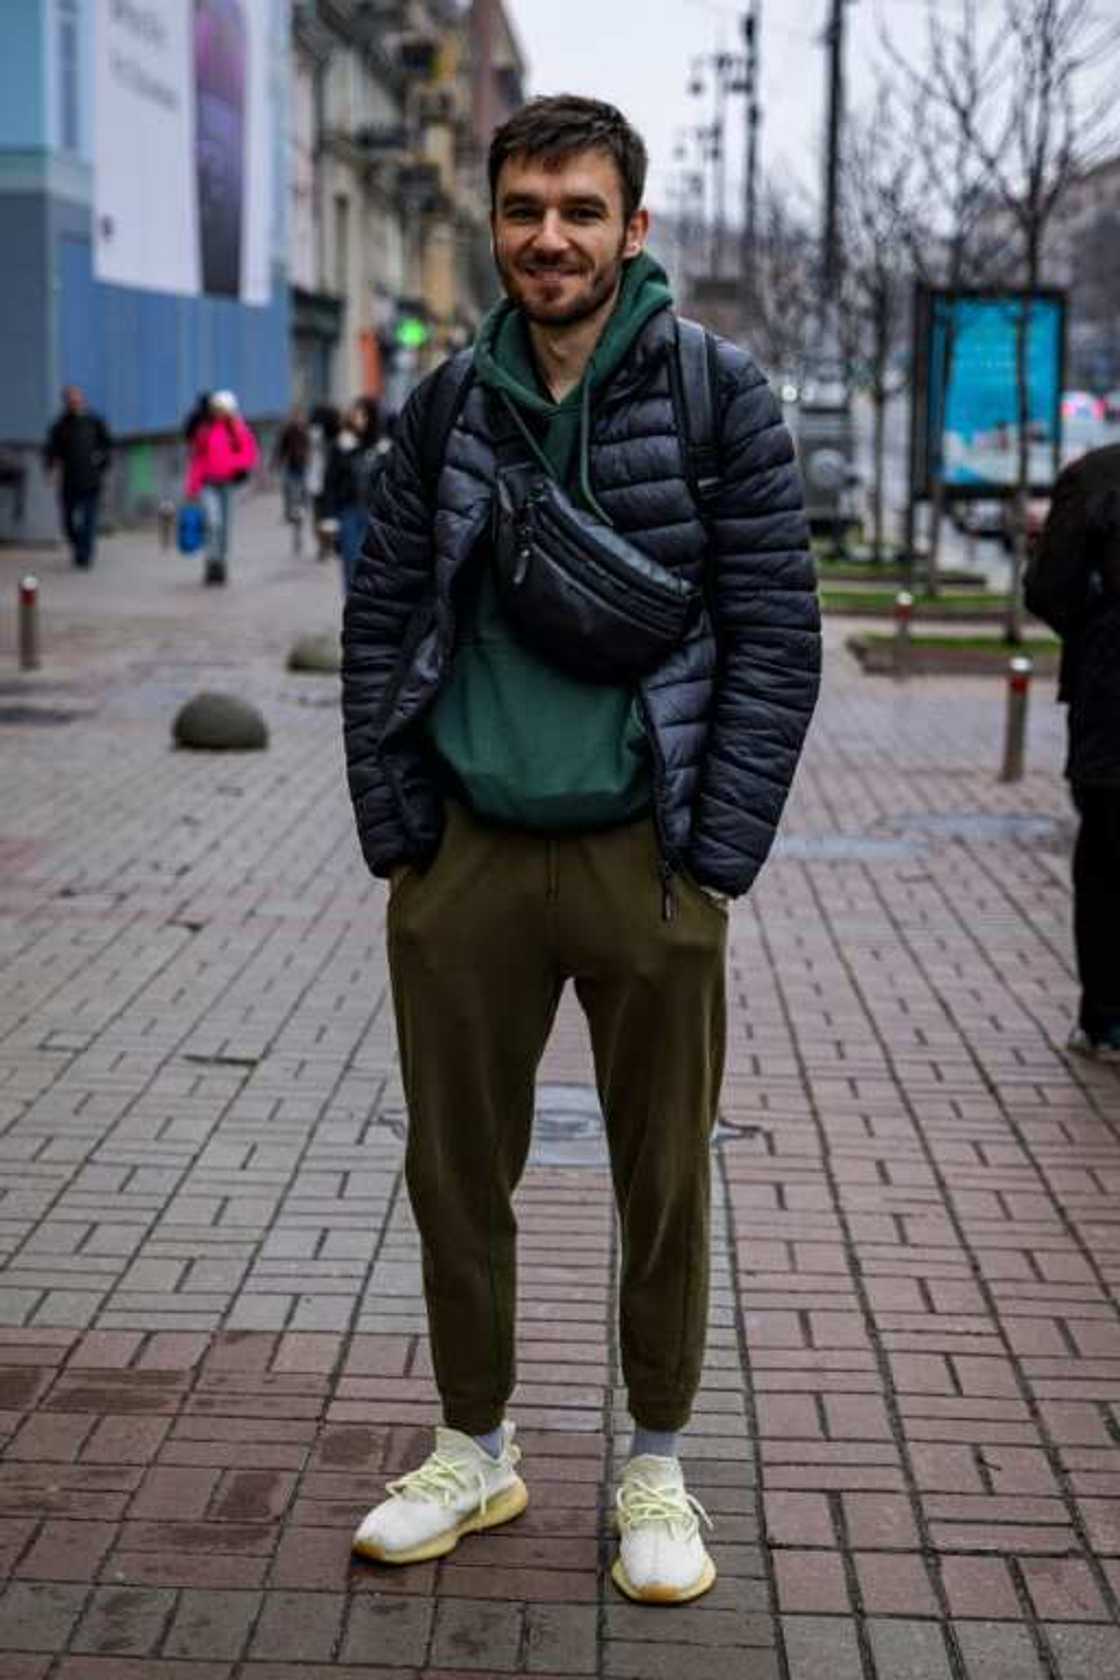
(480, 947)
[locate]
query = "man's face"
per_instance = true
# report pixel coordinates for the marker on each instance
(560, 235)
(73, 399)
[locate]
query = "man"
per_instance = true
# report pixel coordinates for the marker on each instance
(1073, 583)
(537, 828)
(78, 451)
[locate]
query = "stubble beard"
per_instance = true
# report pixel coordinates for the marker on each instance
(604, 284)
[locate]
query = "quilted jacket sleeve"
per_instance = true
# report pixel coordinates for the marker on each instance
(392, 586)
(768, 628)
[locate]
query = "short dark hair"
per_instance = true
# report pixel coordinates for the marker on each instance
(554, 129)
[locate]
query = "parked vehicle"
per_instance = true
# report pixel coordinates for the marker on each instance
(1038, 507)
(1111, 404)
(1082, 405)
(982, 518)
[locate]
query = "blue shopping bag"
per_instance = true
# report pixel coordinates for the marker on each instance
(190, 528)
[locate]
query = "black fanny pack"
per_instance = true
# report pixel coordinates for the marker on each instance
(576, 592)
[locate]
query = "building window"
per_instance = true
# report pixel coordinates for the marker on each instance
(68, 75)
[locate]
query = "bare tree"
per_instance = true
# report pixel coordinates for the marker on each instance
(781, 299)
(1014, 96)
(881, 215)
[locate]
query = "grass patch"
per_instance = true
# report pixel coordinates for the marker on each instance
(949, 604)
(986, 644)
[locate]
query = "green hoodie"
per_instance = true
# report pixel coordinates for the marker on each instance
(524, 743)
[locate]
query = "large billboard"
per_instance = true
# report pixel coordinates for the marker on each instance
(966, 390)
(182, 151)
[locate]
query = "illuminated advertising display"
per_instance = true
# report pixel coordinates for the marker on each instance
(181, 146)
(966, 393)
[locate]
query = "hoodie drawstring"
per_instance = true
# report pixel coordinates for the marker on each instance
(586, 491)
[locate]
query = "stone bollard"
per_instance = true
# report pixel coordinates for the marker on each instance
(903, 646)
(29, 659)
(1018, 700)
(219, 723)
(318, 653)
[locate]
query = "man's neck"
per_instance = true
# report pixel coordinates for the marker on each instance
(563, 353)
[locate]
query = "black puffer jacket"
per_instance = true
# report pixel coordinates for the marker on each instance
(1073, 583)
(727, 711)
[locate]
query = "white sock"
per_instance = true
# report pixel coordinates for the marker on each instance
(657, 1443)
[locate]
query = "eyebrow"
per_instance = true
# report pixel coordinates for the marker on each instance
(576, 201)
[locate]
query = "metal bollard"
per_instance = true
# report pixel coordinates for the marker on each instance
(1018, 697)
(165, 518)
(903, 647)
(29, 623)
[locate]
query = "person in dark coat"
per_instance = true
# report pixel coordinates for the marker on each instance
(1073, 584)
(352, 461)
(539, 826)
(78, 451)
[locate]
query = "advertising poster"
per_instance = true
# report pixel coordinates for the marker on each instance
(182, 154)
(966, 400)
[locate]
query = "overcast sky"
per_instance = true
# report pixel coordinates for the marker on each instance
(637, 53)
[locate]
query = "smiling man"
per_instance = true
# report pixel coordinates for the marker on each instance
(576, 682)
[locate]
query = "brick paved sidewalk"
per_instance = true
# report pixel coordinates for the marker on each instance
(211, 1348)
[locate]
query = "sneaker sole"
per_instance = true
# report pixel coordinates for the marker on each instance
(663, 1595)
(501, 1509)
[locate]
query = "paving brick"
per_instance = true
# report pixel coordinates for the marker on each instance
(298, 1627)
(123, 1621)
(811, 1582)
(894, 1584)
(1082, 1652)
(211, 1625)
(392, 1632)
(37, 1615)
(561, 1638)
(68, 1551)
(979, 1587)
(821, 1648)
(998, 1651)
(914, 1649)
(1064, 1590)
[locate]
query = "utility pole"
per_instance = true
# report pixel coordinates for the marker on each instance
(830, 255)
(752, 33)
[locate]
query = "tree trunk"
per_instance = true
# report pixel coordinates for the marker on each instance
(879, 450)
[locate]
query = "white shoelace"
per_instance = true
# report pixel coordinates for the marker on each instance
(442, 1480)
(643, 1502)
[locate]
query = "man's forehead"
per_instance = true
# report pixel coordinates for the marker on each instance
(588, 174)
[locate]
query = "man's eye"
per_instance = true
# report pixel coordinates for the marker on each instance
(585, 215)
(520, 213)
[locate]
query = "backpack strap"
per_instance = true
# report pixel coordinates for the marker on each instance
(693, 376)
(450, 384)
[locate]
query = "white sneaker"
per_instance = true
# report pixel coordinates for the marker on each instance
(457, 1490)
(661, 1557)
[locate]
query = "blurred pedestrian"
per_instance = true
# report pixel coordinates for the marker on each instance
(325, 423)
(198, 414)
(222, 455)
(1073, 584)
(351, 465)
(292, 457)
(580, 656)
(77, 454)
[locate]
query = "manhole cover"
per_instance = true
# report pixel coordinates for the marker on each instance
(41, 715)
(982, 826)
(846, 848)
(568, 1129)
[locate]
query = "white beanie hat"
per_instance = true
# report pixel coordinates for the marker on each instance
(224, 401)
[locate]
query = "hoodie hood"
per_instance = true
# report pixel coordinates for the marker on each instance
(504, 363)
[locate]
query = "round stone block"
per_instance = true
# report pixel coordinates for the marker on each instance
(318, 652)
(219, 723)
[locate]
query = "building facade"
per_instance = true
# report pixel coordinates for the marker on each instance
(143, 220)
(391, 106)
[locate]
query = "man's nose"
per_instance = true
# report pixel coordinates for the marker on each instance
(550, 235)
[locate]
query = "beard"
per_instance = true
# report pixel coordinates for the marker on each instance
(597, 286)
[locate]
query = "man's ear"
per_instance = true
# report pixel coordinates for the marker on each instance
(637, 232)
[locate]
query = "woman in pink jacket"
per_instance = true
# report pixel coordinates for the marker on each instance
(223, 452)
